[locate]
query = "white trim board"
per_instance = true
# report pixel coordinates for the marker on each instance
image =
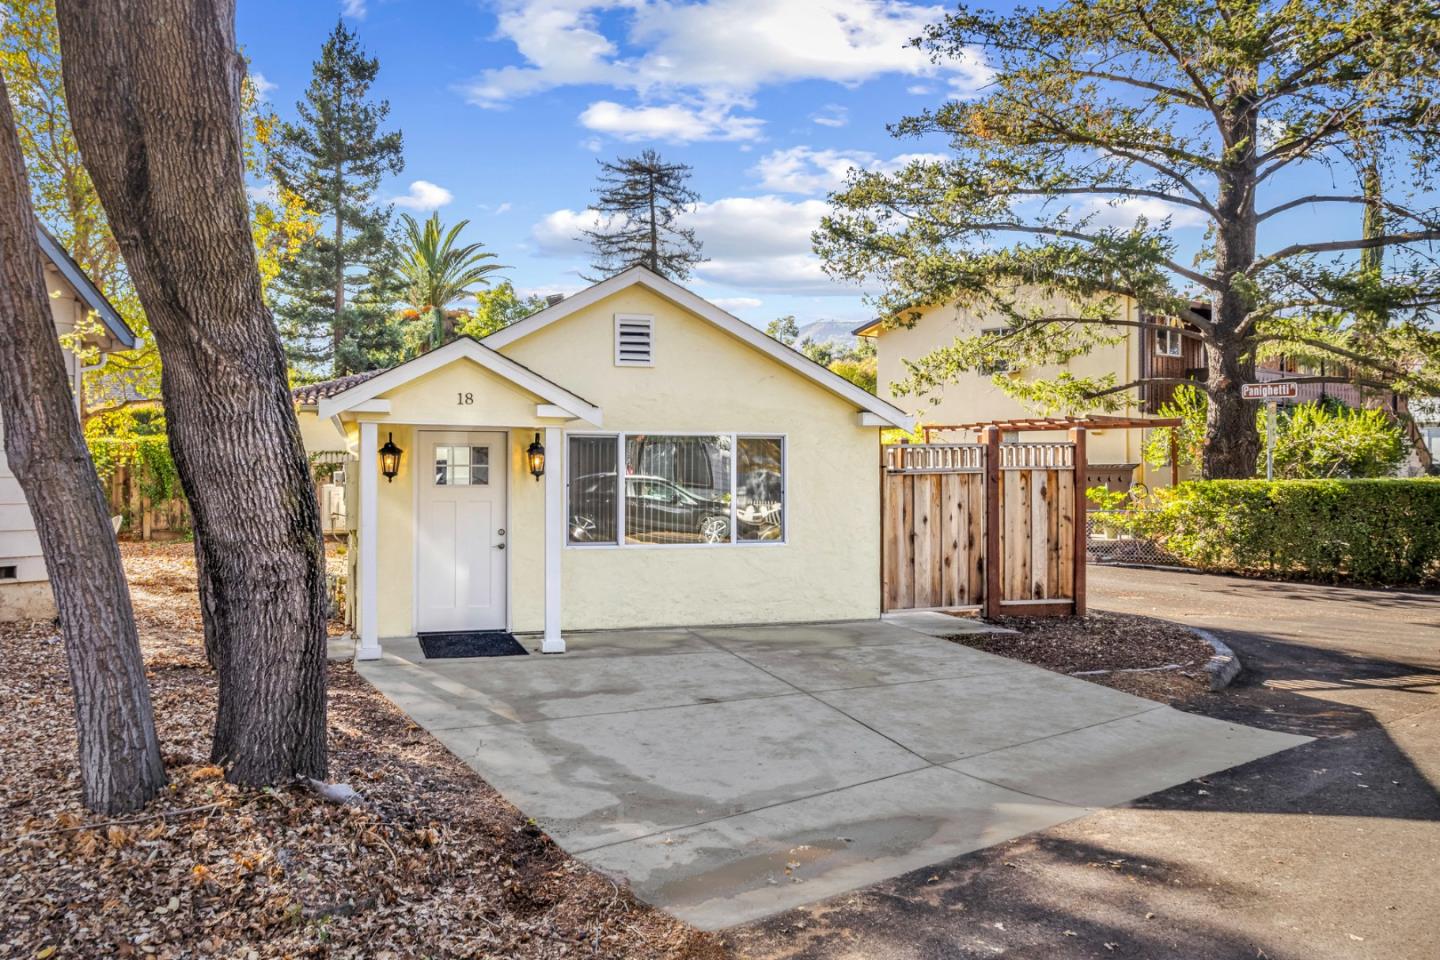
(669, 290)
(352, 400)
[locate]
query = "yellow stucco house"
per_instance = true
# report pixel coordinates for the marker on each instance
(24, 584)
(975, 397)
(632, 456)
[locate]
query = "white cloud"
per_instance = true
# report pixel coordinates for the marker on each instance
(263, 193)
(503, 208)
(920, 89)
(716, 53)
(1124, 213)
(831, 115)
(805, 170)
(353, 8)
(737, 303)
(672, 122)
(758, 244)
(263, 87)
(424, 196)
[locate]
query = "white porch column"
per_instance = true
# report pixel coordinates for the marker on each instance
(554, 538)
(369, 467)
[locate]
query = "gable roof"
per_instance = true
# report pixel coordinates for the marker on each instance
(705, 310)
(82, 284)
(312, 393)
(372, 385)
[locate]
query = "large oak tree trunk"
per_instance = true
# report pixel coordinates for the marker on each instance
(153, 88)
(120, 766)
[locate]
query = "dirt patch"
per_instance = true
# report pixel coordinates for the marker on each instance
(1113, 642)
(435, 863)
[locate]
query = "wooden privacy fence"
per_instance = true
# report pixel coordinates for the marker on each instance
(995, 526)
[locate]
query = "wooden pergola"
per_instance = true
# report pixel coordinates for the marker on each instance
(1092, 422)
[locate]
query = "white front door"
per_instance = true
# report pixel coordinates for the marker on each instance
(461, 536)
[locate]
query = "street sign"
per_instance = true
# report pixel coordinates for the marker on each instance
(1273, 390)
(1270, 392)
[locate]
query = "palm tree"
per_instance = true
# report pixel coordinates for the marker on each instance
(436, 273)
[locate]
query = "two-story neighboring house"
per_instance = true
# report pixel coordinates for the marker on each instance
(24, 586)
(974, 397)
(1115, 455)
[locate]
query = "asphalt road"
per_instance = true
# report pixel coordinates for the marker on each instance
(1329, 850)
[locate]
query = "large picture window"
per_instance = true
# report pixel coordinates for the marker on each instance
(678, 489)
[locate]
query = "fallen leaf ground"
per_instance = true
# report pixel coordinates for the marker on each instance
(1132, 649)
(435, 864)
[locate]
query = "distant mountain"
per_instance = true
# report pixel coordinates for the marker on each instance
(828, 331)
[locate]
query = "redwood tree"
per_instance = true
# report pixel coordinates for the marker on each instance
(1239, 118)
(120, 766)
(154, 91)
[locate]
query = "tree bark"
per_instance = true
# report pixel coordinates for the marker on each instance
(153, 88)
(120, 766)
(1232, 443)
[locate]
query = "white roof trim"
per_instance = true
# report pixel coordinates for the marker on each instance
(703, 308)
(465, 348)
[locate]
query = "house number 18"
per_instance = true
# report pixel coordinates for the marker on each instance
(465, 399)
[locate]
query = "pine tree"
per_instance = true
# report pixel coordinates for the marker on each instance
(640, 200)
(334, 311)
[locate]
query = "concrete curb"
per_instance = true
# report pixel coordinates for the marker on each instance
(1224, 665)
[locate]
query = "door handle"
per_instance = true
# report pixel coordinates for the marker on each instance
(499, 546)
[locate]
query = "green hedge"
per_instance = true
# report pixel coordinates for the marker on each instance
(1368, 531)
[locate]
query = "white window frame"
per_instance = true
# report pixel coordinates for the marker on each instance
(1169, 342)
(735, 438)
(649, 321)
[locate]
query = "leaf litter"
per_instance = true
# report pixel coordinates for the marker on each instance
(433, 862)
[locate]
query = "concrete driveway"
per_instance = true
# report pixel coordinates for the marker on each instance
(730, 773)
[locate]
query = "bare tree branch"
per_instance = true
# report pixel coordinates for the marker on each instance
(1333, 246)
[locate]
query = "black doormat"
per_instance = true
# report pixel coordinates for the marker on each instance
(472, 643)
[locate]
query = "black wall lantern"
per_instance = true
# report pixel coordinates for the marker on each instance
(536, 455)
(390, 459)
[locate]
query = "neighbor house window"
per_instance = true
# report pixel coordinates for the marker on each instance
(994, 364)
(678, 489)
(462, 466)
(1167, 342)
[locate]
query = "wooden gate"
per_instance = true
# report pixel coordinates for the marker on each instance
(991, 526)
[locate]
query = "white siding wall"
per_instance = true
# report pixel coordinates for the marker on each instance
(19, 543)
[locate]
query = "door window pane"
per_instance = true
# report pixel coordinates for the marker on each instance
(759, 489)
(593, 508)
(462, 466)
(677, 489)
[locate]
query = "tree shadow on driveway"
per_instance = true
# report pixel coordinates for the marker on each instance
(1327, 850)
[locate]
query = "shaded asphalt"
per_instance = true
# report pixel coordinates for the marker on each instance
(1329, 850)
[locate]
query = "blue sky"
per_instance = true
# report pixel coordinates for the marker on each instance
(505, 106)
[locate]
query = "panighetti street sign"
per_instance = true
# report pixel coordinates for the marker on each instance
(1274, 390)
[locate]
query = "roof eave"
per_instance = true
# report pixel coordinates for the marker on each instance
(60, 258)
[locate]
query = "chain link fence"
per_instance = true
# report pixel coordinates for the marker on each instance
(1109, 540)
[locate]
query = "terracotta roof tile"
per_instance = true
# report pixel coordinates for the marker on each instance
(312, 393)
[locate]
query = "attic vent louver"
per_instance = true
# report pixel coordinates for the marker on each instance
(634, 340)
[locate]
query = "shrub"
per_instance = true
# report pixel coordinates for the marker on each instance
(1369, 531)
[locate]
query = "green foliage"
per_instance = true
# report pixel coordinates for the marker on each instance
(334, 303)
(640, 201)
(1312, 440)
(1319, 440)
(784, 329)
(1190, 405)
(1107, 126)
(861, 371)
(433, 272)
(497, 308)
(135, 438)
(1368, 531)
